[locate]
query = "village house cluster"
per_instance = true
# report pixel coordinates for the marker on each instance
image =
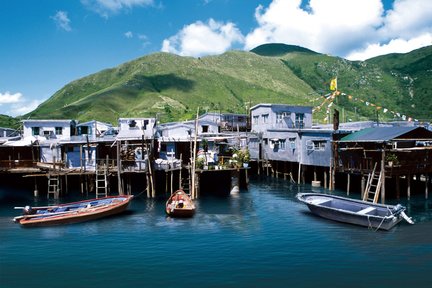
(274, 139)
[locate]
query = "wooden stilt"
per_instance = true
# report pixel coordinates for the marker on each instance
(427, 187)
(325, 179)
(119, 180)
(348, 183)
(363, 186)
(166, 182)
(409, 187)
(383, 176)
(36, 191)
(172, 180)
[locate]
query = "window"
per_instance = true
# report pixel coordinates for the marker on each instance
(265, 118)
(35, 131)
(299, 120)
(255, 120)
(292, 143)
(282, 144)
(279, 117)
(319, 145)
(205, 128)
(83, 130)
(58, 130)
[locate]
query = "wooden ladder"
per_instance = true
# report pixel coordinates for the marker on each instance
(53, 186)
(373, 186)
(101, 181)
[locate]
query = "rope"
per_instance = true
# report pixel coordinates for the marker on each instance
(139, 194)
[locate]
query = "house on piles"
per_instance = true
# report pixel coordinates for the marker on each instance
(286, 141)
(39, 144)
(403, 155)
(135, 142)
(91, 142)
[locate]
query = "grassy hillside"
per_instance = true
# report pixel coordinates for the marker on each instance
(171, 87)
(9, 122)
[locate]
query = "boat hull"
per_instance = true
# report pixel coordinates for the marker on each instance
(180, 205)
(357, 212)
(79, 215)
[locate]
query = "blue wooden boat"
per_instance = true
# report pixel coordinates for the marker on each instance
(75, 212)
(358, 212)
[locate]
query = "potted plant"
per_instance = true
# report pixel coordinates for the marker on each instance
(245, 157)
(199, 162)
(391, 159)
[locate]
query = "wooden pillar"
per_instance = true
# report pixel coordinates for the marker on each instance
(81, 160)
(36, 191)
(325, 179)
(427, 186)
(172, 180)
(363, 186)
(383, 176)
(82, 183)
(148, 185)
(348, 183)
(119, 180)
(331, 175)
(315, 174)
(409, 187)
(166, 182)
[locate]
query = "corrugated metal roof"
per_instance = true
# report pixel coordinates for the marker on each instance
(377, 134)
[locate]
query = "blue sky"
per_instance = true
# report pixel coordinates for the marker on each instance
(46, 44)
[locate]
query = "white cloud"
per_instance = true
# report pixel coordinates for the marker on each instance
(24, 108)
(408, 19)
(200, 39)
(128, 34)
(8, 98)
(356, 29)
(329, 26)
(108, 7)
(394, 46)
(16, 104)
(62, 21)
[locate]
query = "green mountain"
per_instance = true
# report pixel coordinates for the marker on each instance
(9, 122)
(171, 87)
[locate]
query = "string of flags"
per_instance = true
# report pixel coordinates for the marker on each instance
(330, 97)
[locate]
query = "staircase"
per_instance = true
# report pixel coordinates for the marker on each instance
(101, 181)
(53, 186)
(373, 186)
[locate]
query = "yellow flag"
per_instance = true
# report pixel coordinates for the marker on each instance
(333, 84)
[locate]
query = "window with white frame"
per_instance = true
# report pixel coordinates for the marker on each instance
(299, 120)
(58, 130)
(255, 120)
(319, 145)
(279, 117)
(282, 144)
(292, 143)
(265, 118)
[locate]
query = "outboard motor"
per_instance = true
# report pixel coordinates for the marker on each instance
(28, 210)
(397, 209)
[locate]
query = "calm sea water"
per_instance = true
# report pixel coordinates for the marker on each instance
(262, 237)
